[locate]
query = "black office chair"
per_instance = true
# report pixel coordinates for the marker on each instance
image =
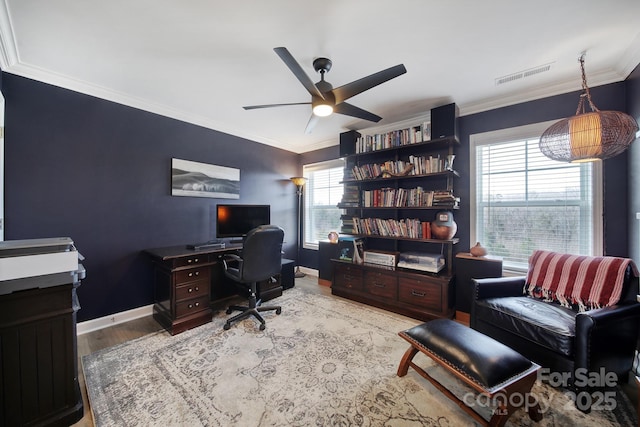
(261, 259)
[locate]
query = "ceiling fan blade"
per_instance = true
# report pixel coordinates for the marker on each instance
(313, 121)
(345, 92)
(353, 111)
(253, 107)
(297, 70)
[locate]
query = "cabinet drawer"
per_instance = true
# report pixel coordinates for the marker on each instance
(381, 284)
(423, 293)
(191, 275)
(192, 290)
(186, 307)
(347, 276)
(194, 259)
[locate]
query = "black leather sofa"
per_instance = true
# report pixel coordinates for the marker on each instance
(581, 345)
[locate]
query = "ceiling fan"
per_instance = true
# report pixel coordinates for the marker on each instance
(324, 98)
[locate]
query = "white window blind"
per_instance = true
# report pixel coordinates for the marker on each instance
(323, 192)
(525, 201)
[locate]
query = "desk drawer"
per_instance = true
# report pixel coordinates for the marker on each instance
(194, 259)
(381, 284)
(422, 293)
(193, 274)
(347, 276)
(192, 290)
(184, 308)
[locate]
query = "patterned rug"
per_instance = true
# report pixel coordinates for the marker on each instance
(324, 361)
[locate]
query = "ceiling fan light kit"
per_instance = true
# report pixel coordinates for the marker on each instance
(325, 100)
(586, 137)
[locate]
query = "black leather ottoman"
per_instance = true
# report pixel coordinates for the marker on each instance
(486, 365)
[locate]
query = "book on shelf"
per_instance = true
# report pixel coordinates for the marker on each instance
(415, 165)
(405, 228)
(396, 138)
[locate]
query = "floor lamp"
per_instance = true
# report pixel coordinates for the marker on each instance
(299, 181)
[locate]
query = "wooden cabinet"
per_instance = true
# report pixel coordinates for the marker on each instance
(182, 288)
(418, 295)
(39, 357)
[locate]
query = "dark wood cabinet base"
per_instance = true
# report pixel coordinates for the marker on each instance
(421, 296)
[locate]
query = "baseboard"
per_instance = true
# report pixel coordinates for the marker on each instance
(309, 271)
(464, 318)
(114, 319)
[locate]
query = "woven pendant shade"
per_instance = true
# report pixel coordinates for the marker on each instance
(588, 136)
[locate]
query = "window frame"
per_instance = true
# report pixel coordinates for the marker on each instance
(531, 131)
(307, 170)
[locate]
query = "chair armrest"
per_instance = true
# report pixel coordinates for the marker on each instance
(230, 258)
(608, 333)
(498, 287)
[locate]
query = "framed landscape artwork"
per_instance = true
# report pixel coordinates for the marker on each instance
(203, 180)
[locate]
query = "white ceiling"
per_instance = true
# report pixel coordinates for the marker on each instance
(201, 61)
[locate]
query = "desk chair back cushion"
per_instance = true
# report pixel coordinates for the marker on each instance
(261, 254)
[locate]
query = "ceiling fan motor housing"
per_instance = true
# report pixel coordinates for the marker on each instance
(322, 65)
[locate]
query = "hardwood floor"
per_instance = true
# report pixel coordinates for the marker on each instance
(108, 337)
(117, 334)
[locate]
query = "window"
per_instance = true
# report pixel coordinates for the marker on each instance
(525, 201)
(323, 192)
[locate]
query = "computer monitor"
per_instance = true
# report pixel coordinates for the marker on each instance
(238, 220)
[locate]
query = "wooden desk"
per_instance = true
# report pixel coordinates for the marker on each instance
(187, 281)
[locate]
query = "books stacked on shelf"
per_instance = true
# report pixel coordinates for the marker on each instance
(397, 197)
(350, 197)
(431, 263)
(415, 165)
(446, 199)
(347, 224)
(348, 174)
(396, 138)
(408, 197)
(408, 228)
(424, 165)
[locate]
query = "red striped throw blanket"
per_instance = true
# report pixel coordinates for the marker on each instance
(574, 280)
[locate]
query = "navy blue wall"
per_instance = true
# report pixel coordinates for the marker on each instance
(99, 172)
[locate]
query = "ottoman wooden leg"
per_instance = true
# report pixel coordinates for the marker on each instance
(405, 362)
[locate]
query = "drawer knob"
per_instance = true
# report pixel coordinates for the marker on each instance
(417, 294)
(197, 289)
(379, 285)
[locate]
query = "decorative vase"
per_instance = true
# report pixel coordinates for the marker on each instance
(333, 237)
(444, 227)
(478, 250)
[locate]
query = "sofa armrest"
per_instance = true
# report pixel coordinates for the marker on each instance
(607, 336)
(498, 287)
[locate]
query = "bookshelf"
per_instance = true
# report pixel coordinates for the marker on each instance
(394, 184)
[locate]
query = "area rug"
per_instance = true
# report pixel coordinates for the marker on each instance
(324, 361)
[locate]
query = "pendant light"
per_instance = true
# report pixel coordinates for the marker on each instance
(590, 136)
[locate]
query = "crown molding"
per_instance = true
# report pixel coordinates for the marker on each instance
(8, 50)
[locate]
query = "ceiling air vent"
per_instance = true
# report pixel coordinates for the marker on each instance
(522, 74)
